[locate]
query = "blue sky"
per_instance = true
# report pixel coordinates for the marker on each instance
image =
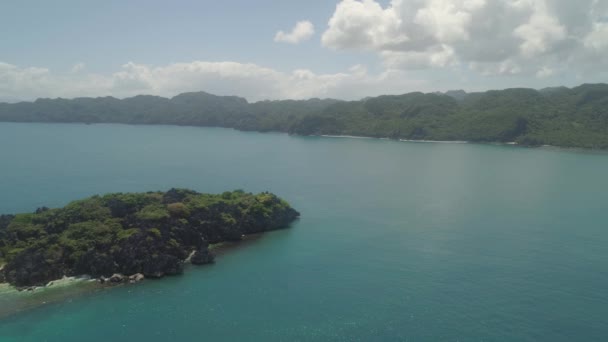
(107, 34)
(73, 48)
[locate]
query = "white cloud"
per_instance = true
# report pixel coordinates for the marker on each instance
(436, 56)
(506, 37)
(303, 30)
(363, 25)
(222, 78)
(506, 67)
(597, 39)
(540, 33)
(545, 72)
(78, 67)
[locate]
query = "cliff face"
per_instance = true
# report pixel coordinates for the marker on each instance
(149, 233)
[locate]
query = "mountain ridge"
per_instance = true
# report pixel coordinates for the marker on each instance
(560, 116)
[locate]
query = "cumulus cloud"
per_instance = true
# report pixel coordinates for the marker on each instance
(507, 37)
(222, 78)
(303, 30)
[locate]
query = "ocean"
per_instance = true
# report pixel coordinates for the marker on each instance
(397, 241)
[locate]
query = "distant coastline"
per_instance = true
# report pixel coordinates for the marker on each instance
(457, 142)
(403, 140)
(562, 117)
(511, 143)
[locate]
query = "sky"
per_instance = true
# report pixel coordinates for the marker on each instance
(271, 49)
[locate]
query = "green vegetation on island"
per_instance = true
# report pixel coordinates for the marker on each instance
(576, 117)
(131, 233)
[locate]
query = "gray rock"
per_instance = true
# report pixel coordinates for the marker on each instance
(117, 278)
(136, 278)
(202, 256)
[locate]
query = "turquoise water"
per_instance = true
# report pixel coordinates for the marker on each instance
(397, 241)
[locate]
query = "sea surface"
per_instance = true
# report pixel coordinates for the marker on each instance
(398, 241)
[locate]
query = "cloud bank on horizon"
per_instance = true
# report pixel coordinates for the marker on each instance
(533, 41)
(251, 81)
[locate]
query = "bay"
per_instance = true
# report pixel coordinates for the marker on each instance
(397, 240)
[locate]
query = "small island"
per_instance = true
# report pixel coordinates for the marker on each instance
(138, 235)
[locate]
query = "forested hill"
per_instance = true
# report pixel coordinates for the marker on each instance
(576, 117)
(151, 233)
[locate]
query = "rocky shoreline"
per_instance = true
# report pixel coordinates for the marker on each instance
(118, 278)
(195, 258)
(68, 288)
(121, 279)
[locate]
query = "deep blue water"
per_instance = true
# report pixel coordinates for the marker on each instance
(397, 241)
